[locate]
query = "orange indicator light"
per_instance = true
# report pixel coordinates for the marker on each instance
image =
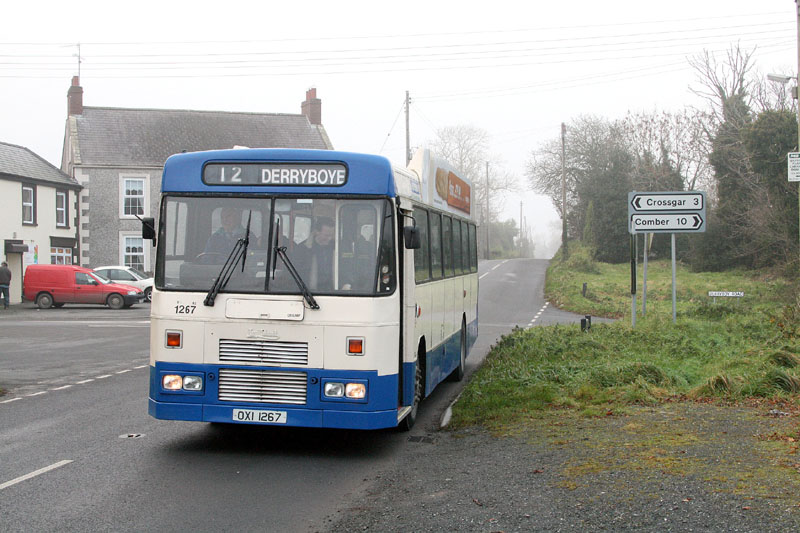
(174, 339)
(355, 346)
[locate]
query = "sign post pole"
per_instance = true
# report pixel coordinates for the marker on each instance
(644, 276)
(674, 285)
(633, 280)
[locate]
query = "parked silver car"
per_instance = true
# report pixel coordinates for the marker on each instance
(128, 276)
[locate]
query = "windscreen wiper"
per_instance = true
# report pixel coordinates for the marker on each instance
(238, 252)
(307, 296)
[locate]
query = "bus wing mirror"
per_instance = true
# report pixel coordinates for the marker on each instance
(411, 237)
(149, 229)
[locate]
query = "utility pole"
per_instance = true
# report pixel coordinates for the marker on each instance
(521, 231)
(488, 256)
(408, 133)
(564, 191)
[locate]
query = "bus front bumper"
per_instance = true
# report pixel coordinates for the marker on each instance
(327, 418)
(378, 409)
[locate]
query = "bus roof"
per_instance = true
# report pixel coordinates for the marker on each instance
(279, 171)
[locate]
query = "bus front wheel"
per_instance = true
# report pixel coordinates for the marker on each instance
(408, 422)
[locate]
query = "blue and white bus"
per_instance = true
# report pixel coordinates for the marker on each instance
(308, 287)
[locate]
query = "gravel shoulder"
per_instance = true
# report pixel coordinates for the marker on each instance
(679, 466)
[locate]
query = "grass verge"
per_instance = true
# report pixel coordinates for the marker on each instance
(728, 350)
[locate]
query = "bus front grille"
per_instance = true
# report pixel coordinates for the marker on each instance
(262, 386)
(263, 352)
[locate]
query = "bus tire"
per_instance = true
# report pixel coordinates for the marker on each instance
(458, 373)
(408, 422)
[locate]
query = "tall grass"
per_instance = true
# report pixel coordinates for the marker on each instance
(729, 349)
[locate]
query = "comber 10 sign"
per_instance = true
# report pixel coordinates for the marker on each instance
(667, 212)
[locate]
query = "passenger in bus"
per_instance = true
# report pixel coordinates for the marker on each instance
(222, 241)
(314, 257)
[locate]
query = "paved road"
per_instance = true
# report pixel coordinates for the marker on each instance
(79, 452)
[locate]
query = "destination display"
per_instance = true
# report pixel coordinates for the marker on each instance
(276, 174)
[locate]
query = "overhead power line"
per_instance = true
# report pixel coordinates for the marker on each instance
(748, 17)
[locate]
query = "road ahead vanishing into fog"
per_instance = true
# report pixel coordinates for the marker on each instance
(78, 451)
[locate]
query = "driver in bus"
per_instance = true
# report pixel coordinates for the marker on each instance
(222, 241)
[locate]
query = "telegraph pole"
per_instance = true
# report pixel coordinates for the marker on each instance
(564, 191)
(408, 133)
(488, 256)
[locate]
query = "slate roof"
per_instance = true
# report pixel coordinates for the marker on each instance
(146, 137)
(18, 163)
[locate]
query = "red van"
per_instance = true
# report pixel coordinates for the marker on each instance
(56, 285)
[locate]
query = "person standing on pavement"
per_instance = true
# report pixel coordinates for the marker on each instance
(5, 282)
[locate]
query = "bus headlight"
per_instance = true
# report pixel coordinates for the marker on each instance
(172, 382)
(192, 383)
(176, 382)
(334, 390)
(355, 391)
(350, 391)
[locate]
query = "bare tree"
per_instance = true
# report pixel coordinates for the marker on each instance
(467, 149)
(722, 81)
(674, 142)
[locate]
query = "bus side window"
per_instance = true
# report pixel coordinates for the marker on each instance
(473, 248)
(422, 269)
(465, 252)
(447, 245)
(457, 247)
(436, 245)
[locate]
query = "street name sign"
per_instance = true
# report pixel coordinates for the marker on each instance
(726, 294)
(667, 223)
(794, 166)
(666, 201)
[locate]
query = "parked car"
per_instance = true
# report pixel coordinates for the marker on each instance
(56, 285)
(128, 276)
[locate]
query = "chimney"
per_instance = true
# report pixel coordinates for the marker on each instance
(75, 97)
(312, 107)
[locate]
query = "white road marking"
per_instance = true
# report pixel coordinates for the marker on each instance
(536, 317)
(82, 382)
(35, 473)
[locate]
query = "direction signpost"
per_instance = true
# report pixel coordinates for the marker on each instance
(665, 212)
(667, 201)
(667, 223)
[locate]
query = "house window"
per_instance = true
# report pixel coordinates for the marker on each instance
(133, 252)
(133, 194)
(28, 204)
(60, 256)
(62, 212)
